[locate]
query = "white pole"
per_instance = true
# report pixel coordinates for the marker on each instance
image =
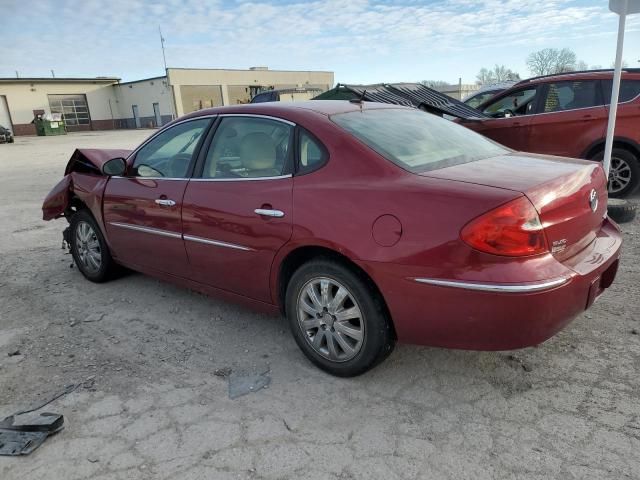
(615, 91)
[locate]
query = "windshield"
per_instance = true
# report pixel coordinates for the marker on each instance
(417, 141)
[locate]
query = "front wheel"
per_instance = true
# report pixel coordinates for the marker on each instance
(337, 319)
(89, 248)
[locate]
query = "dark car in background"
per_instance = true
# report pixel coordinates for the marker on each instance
(5, 135)
(566, 115)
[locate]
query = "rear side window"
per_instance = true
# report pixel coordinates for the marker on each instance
(571, 95)
(312, 154)
(629, 89)
(415, 140)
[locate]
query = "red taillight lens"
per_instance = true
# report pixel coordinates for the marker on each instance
(513, 229)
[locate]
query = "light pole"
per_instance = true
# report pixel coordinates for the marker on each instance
(622, 8)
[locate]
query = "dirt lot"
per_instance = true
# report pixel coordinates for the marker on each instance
(150, 406)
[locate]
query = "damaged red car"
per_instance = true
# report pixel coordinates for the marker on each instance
(365, 224)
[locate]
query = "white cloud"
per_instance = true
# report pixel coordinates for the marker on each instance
(359, 37)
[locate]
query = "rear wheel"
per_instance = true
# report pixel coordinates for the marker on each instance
(89, 248)
(337, 320)
(624, 173)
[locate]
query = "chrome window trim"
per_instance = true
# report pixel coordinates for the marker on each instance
(155, 231)
(496, 287)
(248, 179)
(185, 179)
(217, 243)
(257, 115)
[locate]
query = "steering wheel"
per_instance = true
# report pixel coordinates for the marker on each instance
(178, 165)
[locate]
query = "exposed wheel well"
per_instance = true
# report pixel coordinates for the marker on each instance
(301, 255)
(626, 145)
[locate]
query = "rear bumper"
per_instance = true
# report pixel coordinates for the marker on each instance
(489, 315)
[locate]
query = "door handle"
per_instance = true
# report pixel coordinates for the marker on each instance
(269, 213)
(165, 202)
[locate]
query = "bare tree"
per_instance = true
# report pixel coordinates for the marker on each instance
(499, 73)
(435, 84)
(551, 60)
(582, 65)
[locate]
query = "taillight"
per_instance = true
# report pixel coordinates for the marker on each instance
(513, 229)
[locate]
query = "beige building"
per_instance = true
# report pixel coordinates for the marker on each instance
(106, 103)
(195, 89)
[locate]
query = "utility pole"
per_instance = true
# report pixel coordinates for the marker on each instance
(164, 59)
(17, 74)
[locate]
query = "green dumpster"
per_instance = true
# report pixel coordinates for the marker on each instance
(49, 127)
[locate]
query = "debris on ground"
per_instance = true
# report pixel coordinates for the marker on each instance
(222, 372)
(22, 434)
(14, 353)
(242, 382)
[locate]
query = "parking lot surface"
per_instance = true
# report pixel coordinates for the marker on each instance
(149, 359)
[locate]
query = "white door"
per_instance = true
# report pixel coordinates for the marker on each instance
(156, 112)
(5, 119)
(136, 115)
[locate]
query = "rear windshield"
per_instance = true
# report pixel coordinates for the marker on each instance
(415, 140)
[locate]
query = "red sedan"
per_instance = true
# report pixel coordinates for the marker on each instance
(365, 224)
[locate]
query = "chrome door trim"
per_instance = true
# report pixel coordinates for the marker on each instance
(248, 179)
(257, 115)
(496, 287)
(151, 230)
(269, 212)
(217, 243)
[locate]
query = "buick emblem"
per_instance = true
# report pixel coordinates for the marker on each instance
(593, 200)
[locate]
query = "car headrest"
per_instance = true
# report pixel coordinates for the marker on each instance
(258, 151)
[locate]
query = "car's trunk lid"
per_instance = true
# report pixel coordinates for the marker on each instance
(560, 189)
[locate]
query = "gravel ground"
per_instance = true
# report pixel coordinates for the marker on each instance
(150, 405)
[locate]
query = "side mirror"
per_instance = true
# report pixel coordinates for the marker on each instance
(114, 167)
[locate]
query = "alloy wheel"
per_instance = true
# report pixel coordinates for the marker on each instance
(619, 175)
(330, 319)
(88, 247)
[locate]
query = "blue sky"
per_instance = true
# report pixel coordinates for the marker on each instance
(362, 41)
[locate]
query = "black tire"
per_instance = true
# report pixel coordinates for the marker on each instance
(11, 140)
(621, 211)
(378, 339)
(107, 266)
(632, 161)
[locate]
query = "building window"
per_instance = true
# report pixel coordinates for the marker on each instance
(73, 108)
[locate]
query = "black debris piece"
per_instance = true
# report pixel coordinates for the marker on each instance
(406, 94)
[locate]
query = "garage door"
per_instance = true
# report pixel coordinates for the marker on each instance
(5, 119)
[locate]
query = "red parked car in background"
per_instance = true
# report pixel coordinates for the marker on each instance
(566, 115)
(363, 223)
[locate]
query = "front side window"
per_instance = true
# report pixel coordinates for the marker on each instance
(417, 141)
(169, 154)
(248, 147)
(479, 98)
(571, 95)
(520, 102)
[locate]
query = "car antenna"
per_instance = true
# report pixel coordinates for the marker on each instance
(361, 99)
